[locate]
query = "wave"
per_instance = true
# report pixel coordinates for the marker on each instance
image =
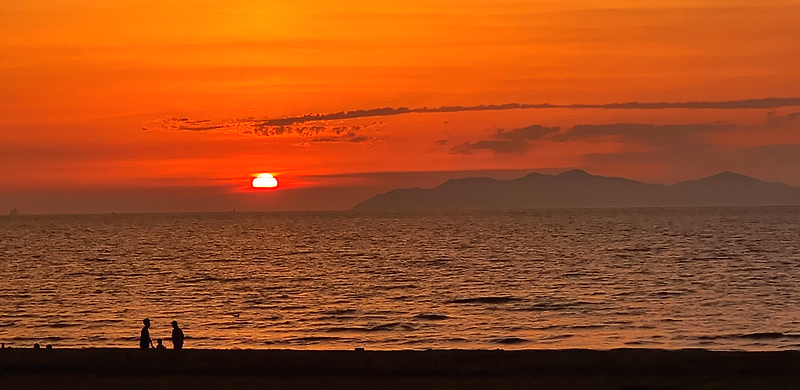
(56, 325)
(51, 338)
(752, 336)
(511, 340)
(643, 342)
(98, 259)
(315, 339)
(489, 300)
(339, 312)
(564, 327)
(17, 296)
(557, 337)
(213, 279)
(377, 328)
(431, 317)
(668, 293)
(550, 306)
(290, 308)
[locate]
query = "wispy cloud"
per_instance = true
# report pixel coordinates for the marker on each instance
(389, 111)
(347, 137)
(723, 104)
(661, 137)
(313, 132)
(507, 141)
(641, 133)
(312, 125)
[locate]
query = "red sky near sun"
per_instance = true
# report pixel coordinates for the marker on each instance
(143, 105)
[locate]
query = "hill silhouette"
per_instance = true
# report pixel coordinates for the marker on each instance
(579, 189)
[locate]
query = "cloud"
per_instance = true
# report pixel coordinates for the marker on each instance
(389, 111)
(675, 138)
(495, 146)
(791, 119)
(664, 136)
(534, 132)
(512, 141)
(295, 125)
(641, 133)
(189, 125)
(317, 131)
(201, 128)
(386, 111)
(777, 162)
(723, 105)
(348, 137)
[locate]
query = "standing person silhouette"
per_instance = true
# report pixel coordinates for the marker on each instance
(177, 336)
(145, 341)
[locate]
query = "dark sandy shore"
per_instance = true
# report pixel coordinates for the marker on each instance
(451, 369)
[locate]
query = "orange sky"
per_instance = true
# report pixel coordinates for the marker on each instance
(92, 93)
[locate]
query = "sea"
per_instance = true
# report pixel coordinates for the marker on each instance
(667, 278)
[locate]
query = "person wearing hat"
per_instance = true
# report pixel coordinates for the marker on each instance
(145, 341)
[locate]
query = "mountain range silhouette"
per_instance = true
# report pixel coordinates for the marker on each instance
(579, 189)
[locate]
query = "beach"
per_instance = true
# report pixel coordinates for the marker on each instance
(433, 369)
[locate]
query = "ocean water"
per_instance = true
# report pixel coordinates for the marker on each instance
(714, 278)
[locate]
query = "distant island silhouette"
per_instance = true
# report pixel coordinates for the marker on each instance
(579, 189)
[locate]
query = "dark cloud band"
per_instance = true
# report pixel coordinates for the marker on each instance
(389, 111)
(313, 125)
(674, 137)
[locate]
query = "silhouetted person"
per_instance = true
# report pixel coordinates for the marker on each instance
(145, 341)
(177, 336)
(160, 344)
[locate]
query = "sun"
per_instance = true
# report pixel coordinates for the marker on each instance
(265, 180)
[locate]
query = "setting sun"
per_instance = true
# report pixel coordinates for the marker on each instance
(265, 180)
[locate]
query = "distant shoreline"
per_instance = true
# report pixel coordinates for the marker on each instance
(579, 189)
(575, 369)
